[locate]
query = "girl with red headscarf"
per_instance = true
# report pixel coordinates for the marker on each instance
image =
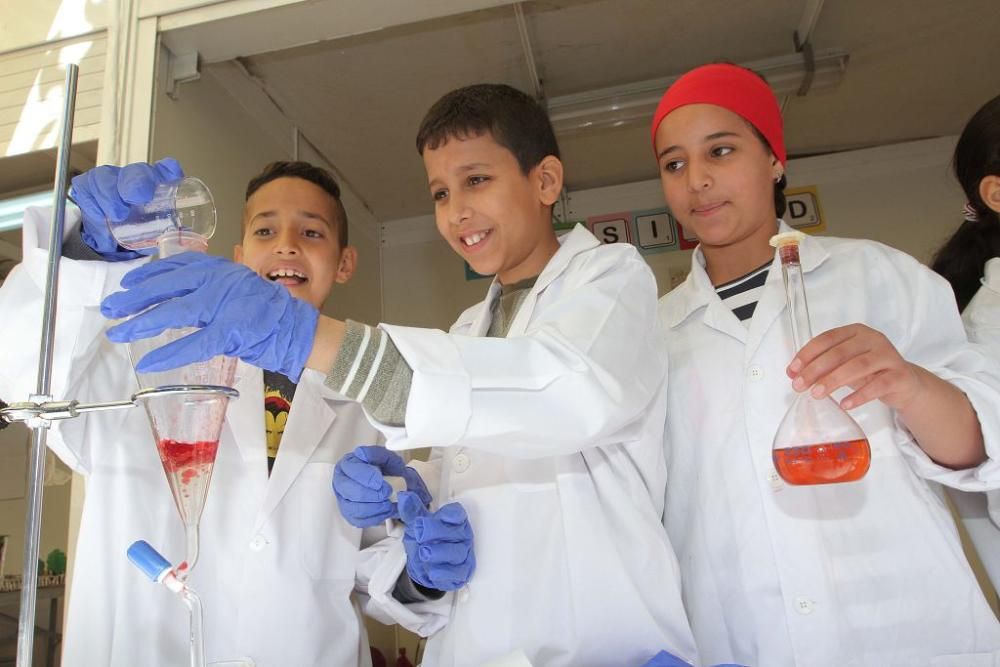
(864, 573)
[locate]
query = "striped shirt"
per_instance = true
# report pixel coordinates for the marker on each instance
(741, 295)
(369, 368)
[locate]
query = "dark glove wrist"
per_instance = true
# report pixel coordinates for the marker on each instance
(80, 245)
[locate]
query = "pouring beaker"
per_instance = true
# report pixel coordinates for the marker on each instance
(181, 205)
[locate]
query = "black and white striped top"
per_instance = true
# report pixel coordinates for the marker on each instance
(741, 295)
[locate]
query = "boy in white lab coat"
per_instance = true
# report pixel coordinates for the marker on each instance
(545, 403)
(277, 565)
(864, 573)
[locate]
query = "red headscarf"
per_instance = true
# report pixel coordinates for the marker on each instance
(731, 87)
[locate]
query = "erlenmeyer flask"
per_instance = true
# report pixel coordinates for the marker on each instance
(187, 423)
(817, 441)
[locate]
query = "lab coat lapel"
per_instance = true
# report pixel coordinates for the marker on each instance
(770, 306)
(310, 418)
(698, 291)
(245, 416)
(578, 240)
(481, 323)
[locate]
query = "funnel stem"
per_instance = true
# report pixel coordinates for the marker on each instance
(191, 554)
(197, 649)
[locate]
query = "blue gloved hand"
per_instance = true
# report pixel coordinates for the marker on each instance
(664, 659)
(363, 495)
(439, 552)
(239, 314)
(106, 192)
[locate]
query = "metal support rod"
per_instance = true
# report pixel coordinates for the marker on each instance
(807, 24)
(33, 518)
(529, 52)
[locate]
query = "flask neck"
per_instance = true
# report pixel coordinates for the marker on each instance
(795, 293)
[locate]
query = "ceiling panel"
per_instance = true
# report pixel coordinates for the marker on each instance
(918, 68)
(587, 45)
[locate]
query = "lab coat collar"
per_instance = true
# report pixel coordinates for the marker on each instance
(245, 416)
(697, 291)
(991, 274)
(571, 244)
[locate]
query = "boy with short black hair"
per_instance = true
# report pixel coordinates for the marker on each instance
(277, 566)
(545, 402)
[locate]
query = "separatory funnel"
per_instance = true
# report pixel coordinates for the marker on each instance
(186, 407)
(817, 441)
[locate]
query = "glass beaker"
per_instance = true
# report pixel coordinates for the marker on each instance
(187, 423)
(182, 205)
(817, 441)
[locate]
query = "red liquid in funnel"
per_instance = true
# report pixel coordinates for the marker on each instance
(825, 463)
(188, 466)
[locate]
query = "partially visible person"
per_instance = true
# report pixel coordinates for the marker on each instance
(970, 261)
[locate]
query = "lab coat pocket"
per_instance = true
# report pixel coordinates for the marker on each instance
(328, 544)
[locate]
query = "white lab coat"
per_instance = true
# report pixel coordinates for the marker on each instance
(550, 439)
(980, 512)
(277, 562)
(870, 573)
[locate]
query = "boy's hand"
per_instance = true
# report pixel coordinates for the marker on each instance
(438, 545)
(363, 495)
(665, 659)
(858, 357)
(106, 193)
(239, 314)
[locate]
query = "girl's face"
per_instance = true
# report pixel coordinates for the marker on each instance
(717, 176)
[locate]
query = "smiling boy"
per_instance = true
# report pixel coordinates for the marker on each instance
(544, 402)
(277, 567)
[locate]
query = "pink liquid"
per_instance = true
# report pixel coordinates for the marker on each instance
(188, 466)
(825, 463)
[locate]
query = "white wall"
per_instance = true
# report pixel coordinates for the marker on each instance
(902, 195)
(30, 23)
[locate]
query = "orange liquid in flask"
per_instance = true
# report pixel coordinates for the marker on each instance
(824, 463)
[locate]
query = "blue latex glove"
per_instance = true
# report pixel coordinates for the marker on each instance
(438, 545)
(664, 659)
(363, 495)
(239, 314)
(106, 192)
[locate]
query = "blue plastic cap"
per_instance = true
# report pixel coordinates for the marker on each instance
(148, 559)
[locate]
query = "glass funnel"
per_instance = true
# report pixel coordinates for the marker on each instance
(186, 420)
(817, 441)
